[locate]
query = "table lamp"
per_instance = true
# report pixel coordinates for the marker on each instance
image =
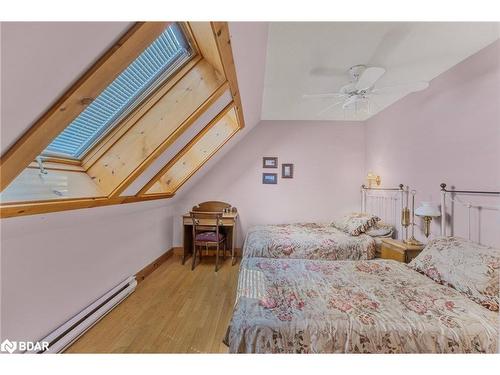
(409, 220)
(427, 210)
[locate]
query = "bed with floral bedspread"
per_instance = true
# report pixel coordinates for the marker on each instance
(307, 241)
(377, 306)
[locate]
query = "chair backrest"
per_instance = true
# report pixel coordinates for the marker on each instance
(211, 206)
(206, 221)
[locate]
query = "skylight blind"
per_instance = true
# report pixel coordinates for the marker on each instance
(150, 68)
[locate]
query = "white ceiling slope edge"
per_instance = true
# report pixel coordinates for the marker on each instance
(310, 58)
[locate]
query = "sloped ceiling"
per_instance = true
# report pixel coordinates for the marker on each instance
(40, 61)
(305, 58)
(29, 89)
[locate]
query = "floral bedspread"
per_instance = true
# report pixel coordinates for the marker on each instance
(307, 241)
(376, 306)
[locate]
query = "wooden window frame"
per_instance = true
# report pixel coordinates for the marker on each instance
(144, 191)
(99, 148)
(210, 42)
(69, 105)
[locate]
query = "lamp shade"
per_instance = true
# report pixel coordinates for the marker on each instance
(428, 209)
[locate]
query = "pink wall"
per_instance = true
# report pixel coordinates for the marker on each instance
(448, 133)
(329, 167)
(54, 265)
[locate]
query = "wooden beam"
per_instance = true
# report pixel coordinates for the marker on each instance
(207, 44)
(69, 106)
(119, 131)
(42, 207)
(221, 31)
(157, 129)
(195, 162)
(170, 140)
(52, 159)
(56, 166)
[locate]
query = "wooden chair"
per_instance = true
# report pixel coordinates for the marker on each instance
(207, 236)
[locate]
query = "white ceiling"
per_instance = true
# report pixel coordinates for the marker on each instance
(305, 58)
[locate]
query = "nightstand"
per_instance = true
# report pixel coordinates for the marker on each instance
(398, 250)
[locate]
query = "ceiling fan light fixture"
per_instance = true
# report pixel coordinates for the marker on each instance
(355, 72)
(358, 94)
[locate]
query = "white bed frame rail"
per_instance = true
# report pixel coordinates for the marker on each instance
(470, 206)
(386, 203)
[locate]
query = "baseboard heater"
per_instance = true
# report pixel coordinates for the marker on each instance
(70, 331)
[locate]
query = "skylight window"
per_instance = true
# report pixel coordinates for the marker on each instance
(151, 68)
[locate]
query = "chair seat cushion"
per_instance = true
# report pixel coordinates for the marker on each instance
(209, 237)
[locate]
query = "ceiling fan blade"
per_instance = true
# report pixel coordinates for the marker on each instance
(407, 87)
(369, 77)
(350, 101)
(323, 71)
(324, 110)
(348, 88)
(320, 96)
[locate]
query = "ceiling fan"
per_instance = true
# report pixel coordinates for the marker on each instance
(362, 88)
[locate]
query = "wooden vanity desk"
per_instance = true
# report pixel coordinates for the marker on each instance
(229, 223)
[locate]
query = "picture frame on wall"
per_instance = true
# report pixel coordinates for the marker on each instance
(269, 162)
(287, 170)
(269, 178)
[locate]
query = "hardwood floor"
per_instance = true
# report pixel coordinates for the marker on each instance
(174, 310)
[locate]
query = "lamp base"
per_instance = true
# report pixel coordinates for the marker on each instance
(412, 241)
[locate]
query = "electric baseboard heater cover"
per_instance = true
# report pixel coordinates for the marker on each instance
(69, 332)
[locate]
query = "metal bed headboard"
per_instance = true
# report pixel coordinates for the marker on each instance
(386, 206)
(468, 205)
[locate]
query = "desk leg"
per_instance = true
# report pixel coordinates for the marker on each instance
(233, 241)
(187, 242)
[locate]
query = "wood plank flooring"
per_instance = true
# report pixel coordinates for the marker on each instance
(174, 310)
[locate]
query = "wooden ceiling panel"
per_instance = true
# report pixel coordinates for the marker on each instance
(157, 129)
(143, 136)
(69, 105)
(196, 153)
(207, 44)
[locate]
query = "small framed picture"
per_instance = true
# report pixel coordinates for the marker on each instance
(268, 162)
(269, 178)
(286, 170)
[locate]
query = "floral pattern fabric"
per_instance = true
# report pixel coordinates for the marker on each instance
(377, 306)
(355, 223)
(380, 229)
(470, 268)
(306, 241)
